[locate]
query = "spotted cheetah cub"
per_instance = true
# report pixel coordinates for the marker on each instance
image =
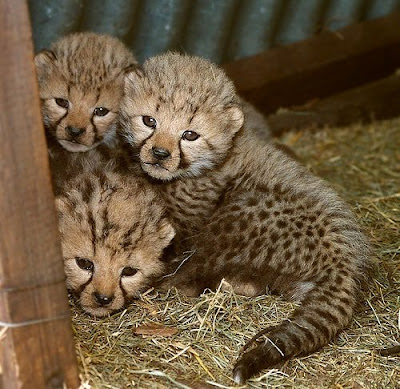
(81, 85)
(247, 212)
(113, 233)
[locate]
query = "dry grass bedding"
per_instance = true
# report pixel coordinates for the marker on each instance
(167, 340)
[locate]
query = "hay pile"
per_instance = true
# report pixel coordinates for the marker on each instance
(199, 338)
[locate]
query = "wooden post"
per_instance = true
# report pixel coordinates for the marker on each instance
(37, 349)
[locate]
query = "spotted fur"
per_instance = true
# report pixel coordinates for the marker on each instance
(80, 73)
(113, 232)
(245, 210)
(83, 72)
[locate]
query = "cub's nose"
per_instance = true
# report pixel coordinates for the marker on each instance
(160, 153)
(74, 131)
(102, 299)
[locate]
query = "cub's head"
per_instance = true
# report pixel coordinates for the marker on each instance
(113, 233)
(81, 86)
(180, 113)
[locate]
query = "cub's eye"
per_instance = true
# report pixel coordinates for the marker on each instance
(84, 263)
(149, 121)
(190, 135)
(62, 103)
(101, 111)
(129, 271)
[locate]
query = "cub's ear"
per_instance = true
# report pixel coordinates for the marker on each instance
(43, 61)
(236, 117)
(135, 68)
(62, 206)
(166, 232)
(133, 75)
(44, 58)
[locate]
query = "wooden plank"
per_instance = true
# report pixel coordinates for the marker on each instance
(320, 66)
(376, 100)
(37, 349)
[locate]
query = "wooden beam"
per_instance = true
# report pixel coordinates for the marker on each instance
(323, 65)
(37, 349)
(376, 100)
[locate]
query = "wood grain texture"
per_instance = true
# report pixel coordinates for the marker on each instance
(37, 349)
(326, 64)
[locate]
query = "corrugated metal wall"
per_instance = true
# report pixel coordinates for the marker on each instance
(221, 30)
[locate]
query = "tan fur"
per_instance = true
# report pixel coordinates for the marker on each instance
(247, 211)
(115, 222)
(255, 121)
(182, 112)
(87, 71)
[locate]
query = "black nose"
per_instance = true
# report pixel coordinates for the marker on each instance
(73, 131)
(101, 299)
(160, 153)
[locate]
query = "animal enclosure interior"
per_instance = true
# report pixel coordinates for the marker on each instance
(168, 340)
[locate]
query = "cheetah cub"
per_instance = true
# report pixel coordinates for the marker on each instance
(247, 212)
(81, 85)
(113, 232)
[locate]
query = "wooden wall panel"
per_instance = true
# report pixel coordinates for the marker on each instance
(326, 64)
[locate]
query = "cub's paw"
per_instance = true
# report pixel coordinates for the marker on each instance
(261, 357)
